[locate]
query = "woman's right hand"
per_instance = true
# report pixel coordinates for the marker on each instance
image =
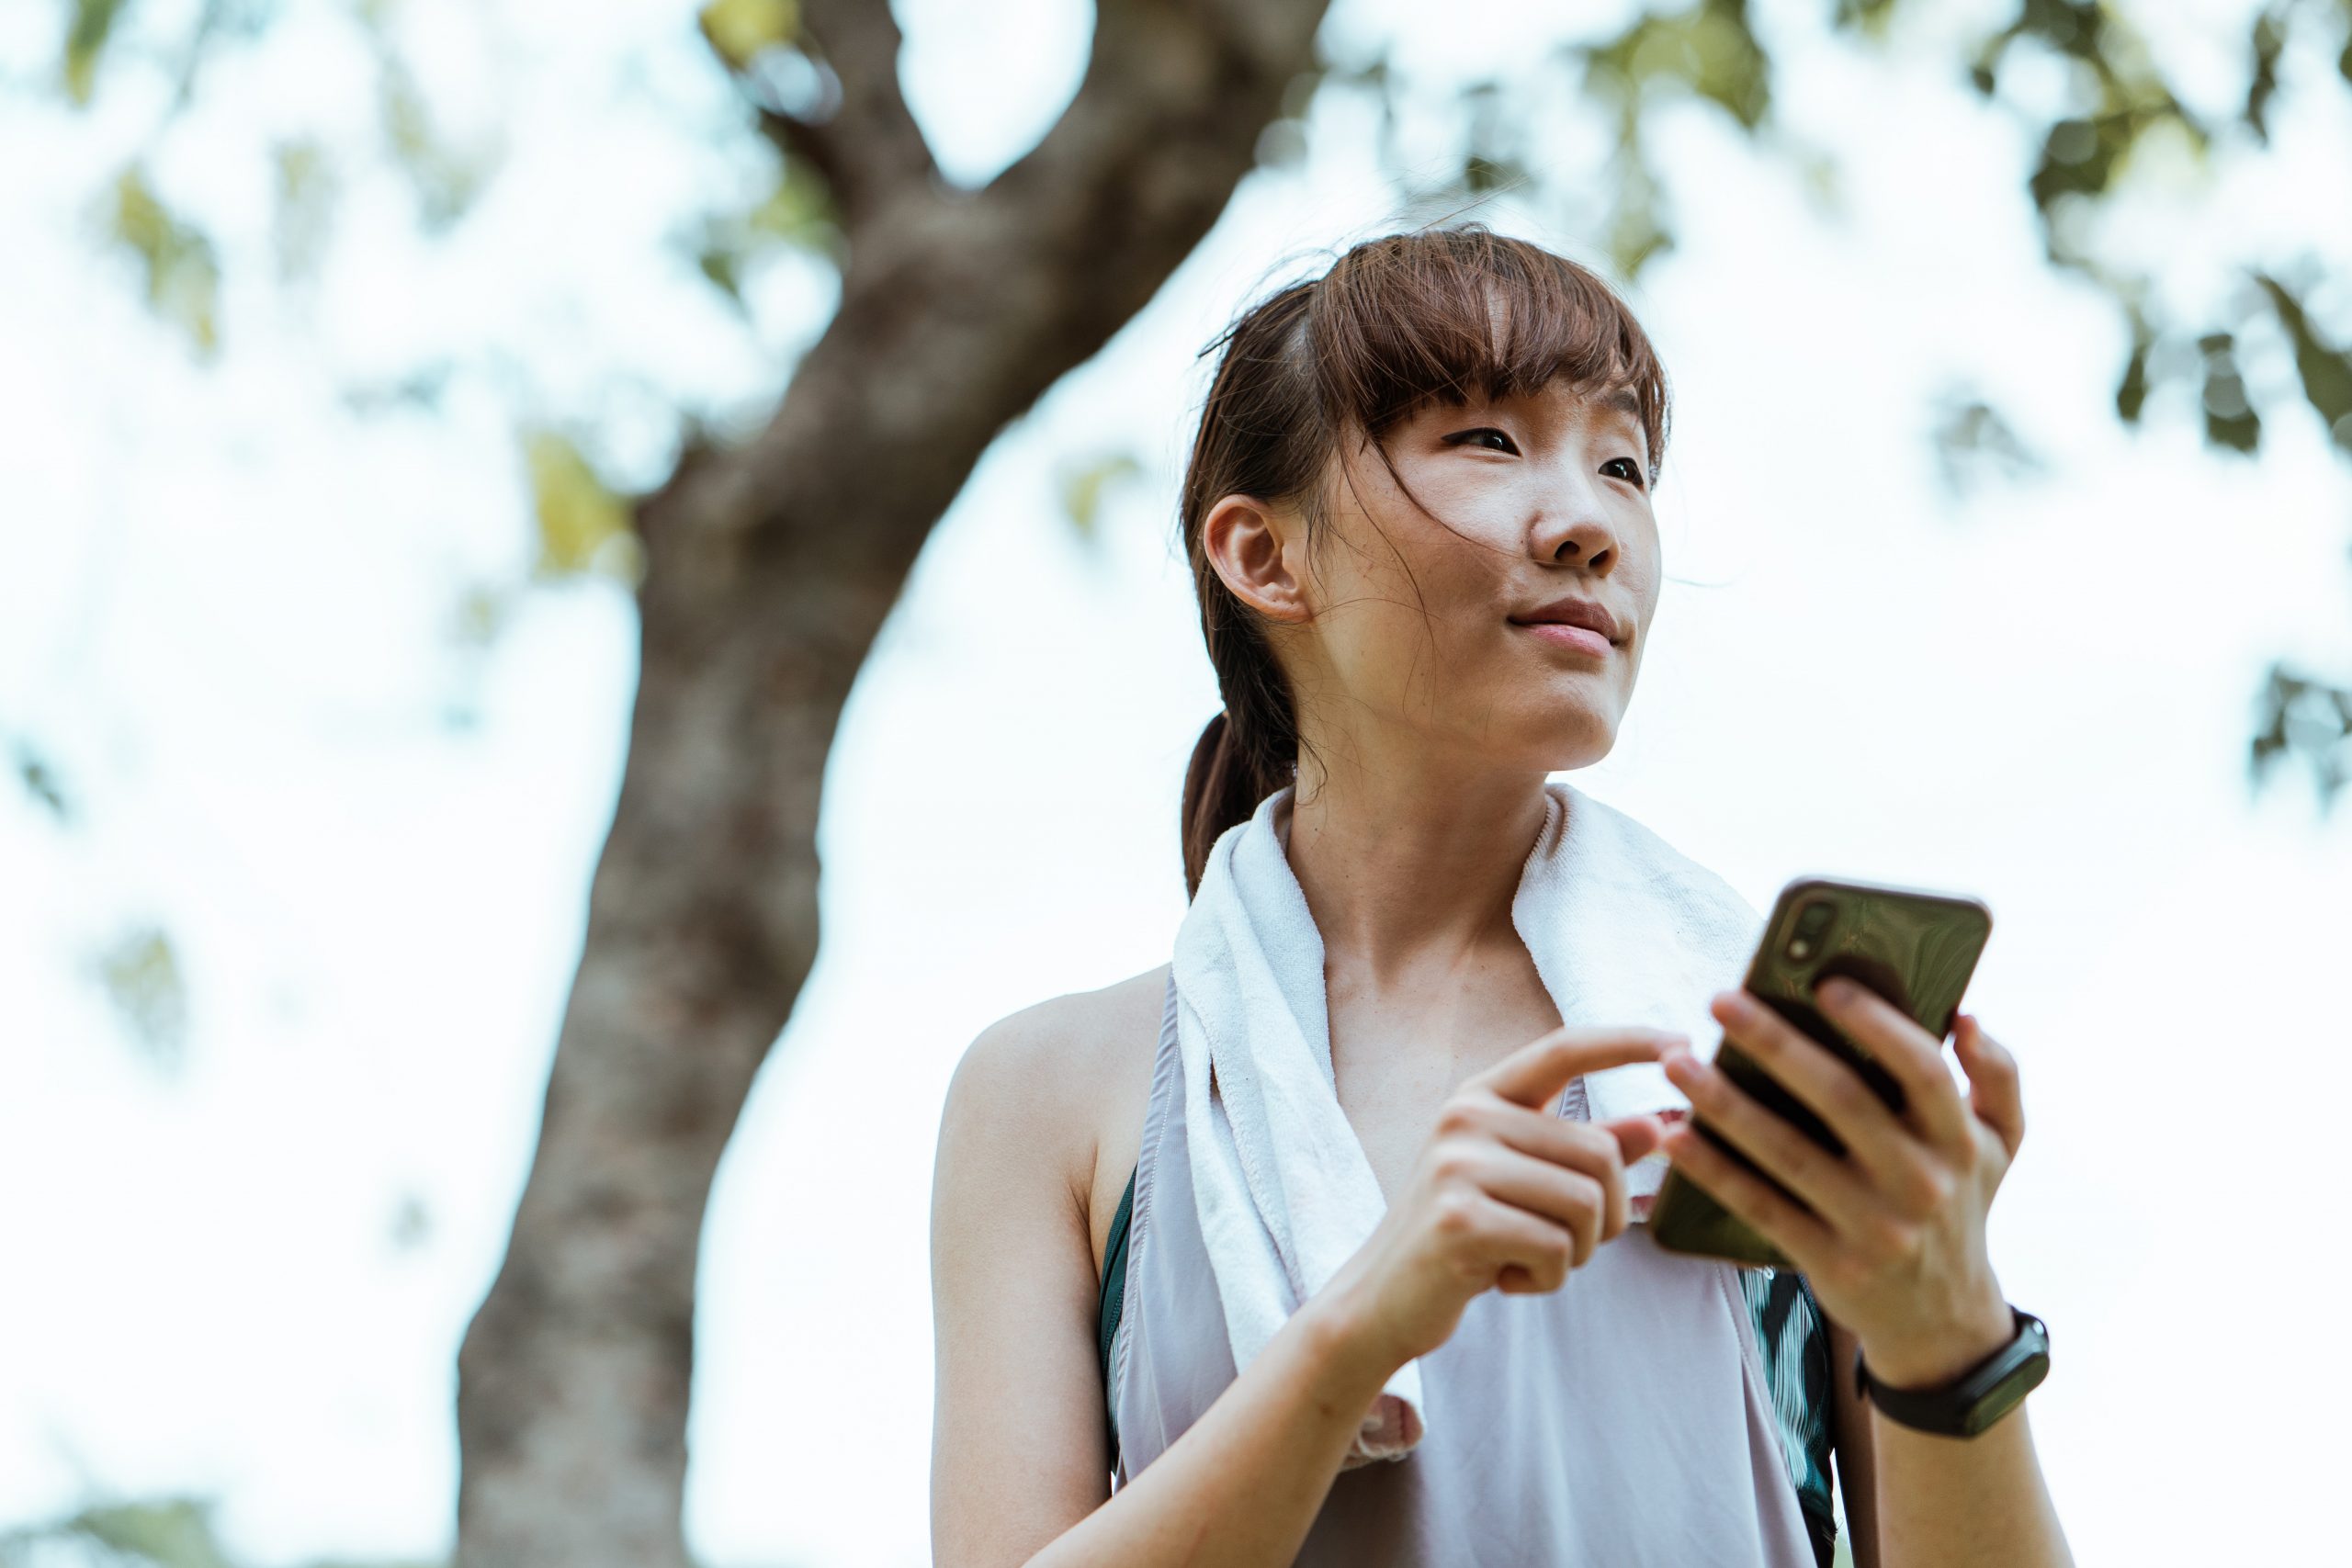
(1507, 1193)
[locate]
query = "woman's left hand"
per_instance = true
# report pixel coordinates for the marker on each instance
(1894, 1247)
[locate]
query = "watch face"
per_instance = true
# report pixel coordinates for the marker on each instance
(2003, 1396)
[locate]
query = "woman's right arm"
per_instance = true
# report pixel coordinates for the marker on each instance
(1505, 1195)
(1020, 1462)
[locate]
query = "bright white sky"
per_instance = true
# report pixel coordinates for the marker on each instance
(225, 618)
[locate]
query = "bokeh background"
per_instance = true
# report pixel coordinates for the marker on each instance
(2006, 515)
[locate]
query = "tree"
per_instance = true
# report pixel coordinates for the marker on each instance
(769, 568)
(764, 565)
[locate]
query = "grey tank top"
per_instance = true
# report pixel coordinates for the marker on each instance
(1625, 1419)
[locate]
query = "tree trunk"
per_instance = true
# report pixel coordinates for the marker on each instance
(770, 569)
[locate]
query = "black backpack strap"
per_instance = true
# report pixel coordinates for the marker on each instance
(1114, 1281)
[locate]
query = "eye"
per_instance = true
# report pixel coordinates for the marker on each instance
(1462, 437)
(1637, 475)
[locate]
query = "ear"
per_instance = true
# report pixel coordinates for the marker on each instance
(1260, 552)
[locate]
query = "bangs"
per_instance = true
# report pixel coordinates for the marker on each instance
(1458, 314)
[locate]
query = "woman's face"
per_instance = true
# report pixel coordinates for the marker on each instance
(1547, 498)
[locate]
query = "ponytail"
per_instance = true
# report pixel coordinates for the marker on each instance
(1226, 783)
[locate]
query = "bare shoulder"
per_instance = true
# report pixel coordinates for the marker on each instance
(1014, 1296)
(1073, 1074)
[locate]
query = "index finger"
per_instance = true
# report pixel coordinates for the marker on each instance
(1532, 1075)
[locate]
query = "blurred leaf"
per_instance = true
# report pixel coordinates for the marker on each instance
(1871, 17)
(173, 1532)
(2135, 114)
(724, 266)
(738, 30)
(2269, 39)
(797, 213)
(1822, 179)
(2301, 715)
(2132, 394)
(1084, 482)
(2326, 372)
(447, 181)
(1708, 51)
(85, 40)
(1971, 436)
(2078, 156)
(798, 210)
(304, 215)
(140, 975)
(481, 615)
(181, 273)
(583, 526)
(2230, 420)
(421, 389)
(1282, 144)
(1636, 234)
(412, 1223)
(1496, 157)
(167, 1532)
(41, 780)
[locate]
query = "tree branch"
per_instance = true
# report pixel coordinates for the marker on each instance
(957, 311)
(866, 146)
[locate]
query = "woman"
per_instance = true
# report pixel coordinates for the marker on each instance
(1396, 462)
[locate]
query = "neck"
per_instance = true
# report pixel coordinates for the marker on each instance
(1410, 877)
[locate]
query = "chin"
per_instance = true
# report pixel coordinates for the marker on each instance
(1581, 747)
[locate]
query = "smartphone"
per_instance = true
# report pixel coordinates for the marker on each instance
(1915, 948)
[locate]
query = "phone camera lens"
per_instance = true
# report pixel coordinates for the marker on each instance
(1811, 921)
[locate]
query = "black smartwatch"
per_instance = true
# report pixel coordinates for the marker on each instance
(1979, 1396)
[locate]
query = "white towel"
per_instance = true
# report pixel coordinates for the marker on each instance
(1623, 930)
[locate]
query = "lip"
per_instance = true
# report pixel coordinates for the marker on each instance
(1574, 610)
(1559, 634)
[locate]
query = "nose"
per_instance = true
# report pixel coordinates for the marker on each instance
(1576, 532)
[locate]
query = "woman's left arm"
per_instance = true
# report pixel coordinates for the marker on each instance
(1894, 1251)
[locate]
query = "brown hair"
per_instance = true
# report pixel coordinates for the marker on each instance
(1396, 321)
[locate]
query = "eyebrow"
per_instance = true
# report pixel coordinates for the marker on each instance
(1621, 401)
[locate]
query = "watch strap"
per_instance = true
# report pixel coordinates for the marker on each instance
(1975, 1399)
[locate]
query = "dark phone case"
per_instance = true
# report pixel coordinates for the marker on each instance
(1915, 948)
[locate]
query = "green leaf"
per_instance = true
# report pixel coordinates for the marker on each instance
(738, 30)
(2230, 420)
(2327, 371)
(307, 191)
(140, 975)
(1970, 437)
(85, 40)
(583, 527)
(2299, 715)
(2132, 394)
(446, 180)
(798, 210)
(173, 1532)
(1709, 51)
(797, 213)
(1083, 482)
(41, 780)
(183, 275)
(2269, 39)
(1871, 17)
